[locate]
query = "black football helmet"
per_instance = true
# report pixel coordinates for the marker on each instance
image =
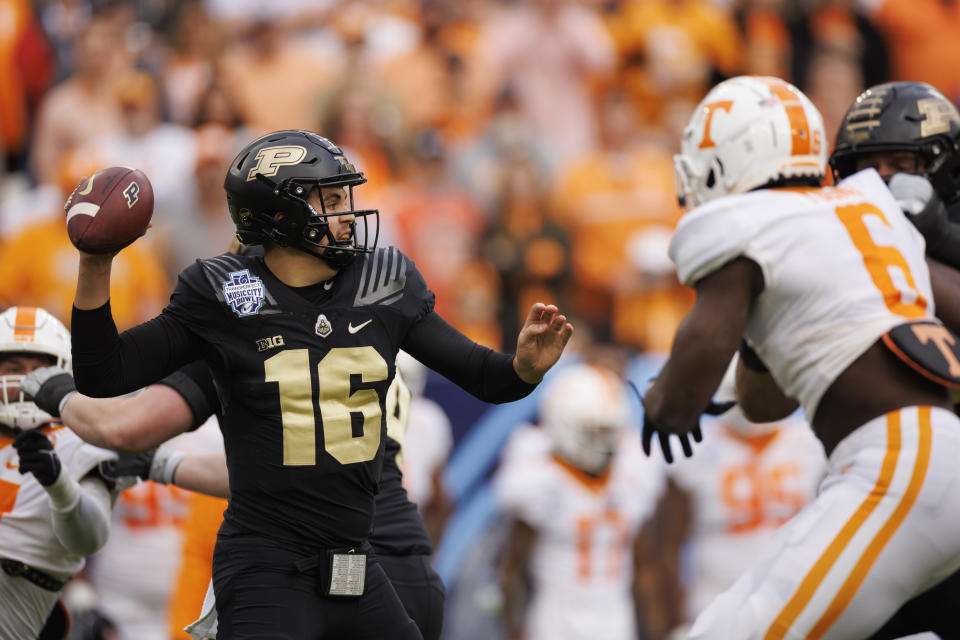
(903, 116)
(276, 173)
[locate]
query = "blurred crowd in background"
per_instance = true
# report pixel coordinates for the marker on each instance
(518, 150)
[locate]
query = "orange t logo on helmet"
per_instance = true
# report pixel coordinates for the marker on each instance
(711, 108)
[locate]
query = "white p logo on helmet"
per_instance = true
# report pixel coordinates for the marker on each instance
(270, 159)
(748, 131)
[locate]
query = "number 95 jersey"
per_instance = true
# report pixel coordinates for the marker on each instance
(302, 374)
(841, 265)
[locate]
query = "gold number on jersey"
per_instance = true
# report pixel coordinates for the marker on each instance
(398, 406)
(291, 370)
(879, 260)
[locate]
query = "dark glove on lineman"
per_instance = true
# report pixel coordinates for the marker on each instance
(136, 464)
(158, 464)
(49, 386)
(650, 428)
(37, 456)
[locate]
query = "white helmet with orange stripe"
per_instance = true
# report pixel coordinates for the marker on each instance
(28, 331)
(584, 409)
(747, 132)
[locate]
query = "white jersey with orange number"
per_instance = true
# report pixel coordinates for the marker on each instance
(841, 265)
(26, 530)
(581, 563)
(741, 489)
(136, 570)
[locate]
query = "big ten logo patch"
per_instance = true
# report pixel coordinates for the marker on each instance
(149, 505)
(269, 343)
(270, 159)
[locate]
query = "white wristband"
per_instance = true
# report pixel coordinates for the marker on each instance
(63, 401)
(165, 463)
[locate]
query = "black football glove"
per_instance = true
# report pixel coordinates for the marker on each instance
(135, 464)
(158, 464)
(48, 386)
(37, 456)
(650, 428)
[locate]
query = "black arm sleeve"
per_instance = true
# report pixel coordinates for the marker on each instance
(484, 373)
(107, 364)
(946, 246)
(195, 384)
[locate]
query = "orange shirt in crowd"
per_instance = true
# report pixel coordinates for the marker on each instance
(604, 199)
(923, 40)
(680, 42)
(38, 267)
(21, 82)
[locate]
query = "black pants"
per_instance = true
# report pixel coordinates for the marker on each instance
(934, 610)
(261, 594)
(420, 589)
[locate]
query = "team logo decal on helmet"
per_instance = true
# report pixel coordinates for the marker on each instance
(268, 187)
(270, 159)
(903, 117)
(748, 132)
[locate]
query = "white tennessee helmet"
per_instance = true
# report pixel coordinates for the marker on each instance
(748, 131)
(29, 330)
(585, 410)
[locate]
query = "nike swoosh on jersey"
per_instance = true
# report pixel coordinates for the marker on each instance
(354, 329)
(12, 466)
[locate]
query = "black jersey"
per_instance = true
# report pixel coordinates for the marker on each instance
(398, 528)
(302, 379)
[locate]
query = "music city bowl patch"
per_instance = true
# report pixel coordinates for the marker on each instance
(243, 292)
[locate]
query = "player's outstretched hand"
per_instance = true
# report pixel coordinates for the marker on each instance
(544, 335)
(37, 456)
(650, 428)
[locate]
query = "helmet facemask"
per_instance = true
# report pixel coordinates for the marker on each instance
(28, 331)
(275, 174)
(303, 227)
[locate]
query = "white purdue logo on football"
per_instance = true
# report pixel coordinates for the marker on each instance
(270, 159)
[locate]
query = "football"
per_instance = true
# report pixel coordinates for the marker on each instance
(109, 210)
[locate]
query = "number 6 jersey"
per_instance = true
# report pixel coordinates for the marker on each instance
(841, 265)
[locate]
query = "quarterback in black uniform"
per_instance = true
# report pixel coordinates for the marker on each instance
(301, 344)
